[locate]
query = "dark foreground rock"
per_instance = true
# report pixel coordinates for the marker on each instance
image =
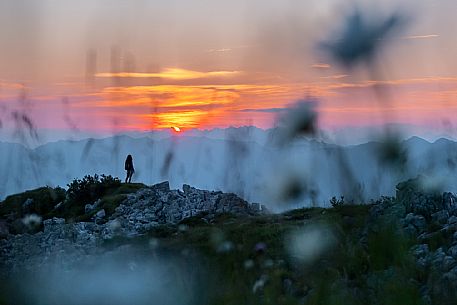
(430, 220)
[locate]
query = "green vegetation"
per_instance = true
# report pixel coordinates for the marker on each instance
(69, 204)
(42, 202)
(364, 265)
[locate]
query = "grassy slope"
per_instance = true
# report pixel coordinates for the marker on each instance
(46, 198)
(374, 270)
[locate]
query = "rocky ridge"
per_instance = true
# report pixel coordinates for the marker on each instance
(429, 219)
(69, 243)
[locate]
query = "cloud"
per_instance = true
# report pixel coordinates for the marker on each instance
(170, 73)
(223, 50)
(421, 36)
(219, 50)
(4, 84)
(267, 110)
(394, 82)
(166, 96)
(321, 66)
(337, 76)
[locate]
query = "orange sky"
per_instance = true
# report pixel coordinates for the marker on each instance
(204, 65)
(422, 101)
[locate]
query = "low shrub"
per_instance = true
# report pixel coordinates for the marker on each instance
(87, 190)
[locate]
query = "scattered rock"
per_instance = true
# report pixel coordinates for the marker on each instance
(90, 207)
(4, 230)
(58, 206)
(453, 251)
(100, 214)
(448, 263)
(27, 206)
(415, 223)
(27, 203)
(452, 220)
(162, 187)
(420, 250)
(50, 223)
(440, 217)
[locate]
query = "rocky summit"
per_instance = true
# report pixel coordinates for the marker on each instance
(70, 243)
(156, 205)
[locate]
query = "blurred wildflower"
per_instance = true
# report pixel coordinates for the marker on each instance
(260, 283)
(299, 120)
(153, 243)
(216, 237)
(32, 221)
(167, 163)
(268, 263)
(248, 264)
(392, 152)
(183, 228)
(260, 247)
(132, 266)
(287, 185)
(224, 247)
(220, 244)
(360, 38)
(306, 245)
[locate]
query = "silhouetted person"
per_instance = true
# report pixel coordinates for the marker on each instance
(129, 168)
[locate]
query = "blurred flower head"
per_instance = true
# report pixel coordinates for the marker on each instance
(287, 184)
(32, 221)
(260, 247)
(219, 242)
(392, 152)
(248, 264)
(154, 243)
(300, 119)
(360, 38)
(260, 283)
(183, 228)
(307, 244)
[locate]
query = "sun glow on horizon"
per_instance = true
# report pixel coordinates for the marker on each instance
(176, 129)
(170, 73)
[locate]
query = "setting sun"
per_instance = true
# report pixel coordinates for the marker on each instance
(176, 129)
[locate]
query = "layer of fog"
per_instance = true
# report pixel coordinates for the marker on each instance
(237, 162)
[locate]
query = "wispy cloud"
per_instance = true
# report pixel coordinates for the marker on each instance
(421, 36)
(396, 82)
(228, 49)
(170, 73)
(219, 50)
(267, 110)
(337, 76)
(321, 66)
(4, 84)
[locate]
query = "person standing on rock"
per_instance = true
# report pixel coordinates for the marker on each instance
(129, 168)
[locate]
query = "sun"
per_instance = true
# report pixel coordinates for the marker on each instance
(176, 129)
